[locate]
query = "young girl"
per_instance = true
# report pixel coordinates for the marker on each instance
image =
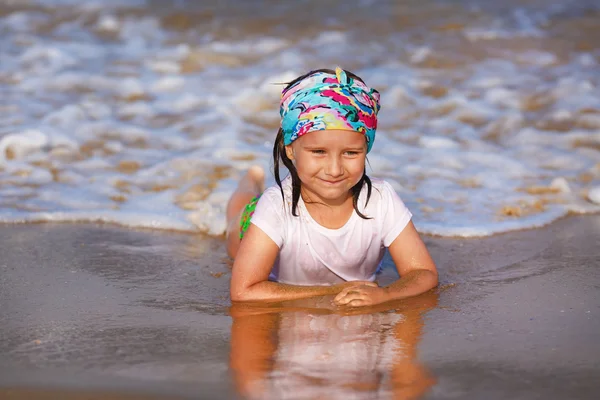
(324, 228)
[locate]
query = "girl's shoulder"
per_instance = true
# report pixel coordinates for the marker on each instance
(383, 195)
(380, 187)
(272, 205)
(378, 182)
(273, 193)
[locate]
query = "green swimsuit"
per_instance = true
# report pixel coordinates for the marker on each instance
(247, 215)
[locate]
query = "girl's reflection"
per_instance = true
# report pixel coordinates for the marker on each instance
(310, 350)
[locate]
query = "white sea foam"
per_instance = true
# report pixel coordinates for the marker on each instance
(108, 23)
(168, 84)
(128, 122)
(594, 195)
(18, 145)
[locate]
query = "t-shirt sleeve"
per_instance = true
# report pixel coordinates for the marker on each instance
(395, 214)
(268, 216)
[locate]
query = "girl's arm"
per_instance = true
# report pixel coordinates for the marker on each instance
(252, 266)
(415, 266)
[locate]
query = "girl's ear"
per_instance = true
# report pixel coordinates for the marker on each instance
(289, 152)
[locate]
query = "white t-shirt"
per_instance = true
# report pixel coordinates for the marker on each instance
(310, 254)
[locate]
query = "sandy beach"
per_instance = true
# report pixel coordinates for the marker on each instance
(144, 115)
(97, 310)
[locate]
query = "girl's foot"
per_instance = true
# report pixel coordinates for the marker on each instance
(255, 177)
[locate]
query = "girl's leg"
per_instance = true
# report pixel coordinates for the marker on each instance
(251, 185)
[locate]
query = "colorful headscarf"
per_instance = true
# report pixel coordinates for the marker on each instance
(326, 101)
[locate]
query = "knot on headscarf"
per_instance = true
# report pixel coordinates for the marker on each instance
(329, 101)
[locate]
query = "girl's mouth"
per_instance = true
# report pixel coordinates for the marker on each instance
(334, 182)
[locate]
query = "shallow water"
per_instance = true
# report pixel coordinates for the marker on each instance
(145, 113)
(96, 310)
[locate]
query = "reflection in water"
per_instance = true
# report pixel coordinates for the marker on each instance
(304, 350)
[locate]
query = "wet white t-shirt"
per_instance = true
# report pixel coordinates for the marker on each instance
(310, 254)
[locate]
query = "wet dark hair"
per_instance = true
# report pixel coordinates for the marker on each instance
(279, 153)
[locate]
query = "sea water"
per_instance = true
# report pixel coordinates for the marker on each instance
(146, 113)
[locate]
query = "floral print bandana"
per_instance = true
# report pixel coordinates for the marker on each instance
(326, 101)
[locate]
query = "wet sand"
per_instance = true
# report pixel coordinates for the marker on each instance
(97, 311)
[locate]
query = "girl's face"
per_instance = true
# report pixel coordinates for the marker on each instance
(329, 163)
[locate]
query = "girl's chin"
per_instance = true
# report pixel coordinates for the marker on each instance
(333, 193)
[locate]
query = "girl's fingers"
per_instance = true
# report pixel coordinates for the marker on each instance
(345, 291)
(356, 303)
(350, 296)
(354, 288)
(339, 298)
(341, 294)
(350, 293)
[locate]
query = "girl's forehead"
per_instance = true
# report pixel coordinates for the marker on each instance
(332, 138)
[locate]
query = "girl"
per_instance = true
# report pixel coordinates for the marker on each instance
(324, 228)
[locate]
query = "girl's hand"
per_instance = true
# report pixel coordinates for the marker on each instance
(361, 295)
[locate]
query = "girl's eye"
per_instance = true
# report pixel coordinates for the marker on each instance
(352, 153)
(318, 151)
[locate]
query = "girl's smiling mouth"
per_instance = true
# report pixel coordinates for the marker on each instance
(329, 182)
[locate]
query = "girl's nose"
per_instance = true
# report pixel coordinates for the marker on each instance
(334, 167)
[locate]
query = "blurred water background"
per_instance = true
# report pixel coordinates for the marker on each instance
(145, 113)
